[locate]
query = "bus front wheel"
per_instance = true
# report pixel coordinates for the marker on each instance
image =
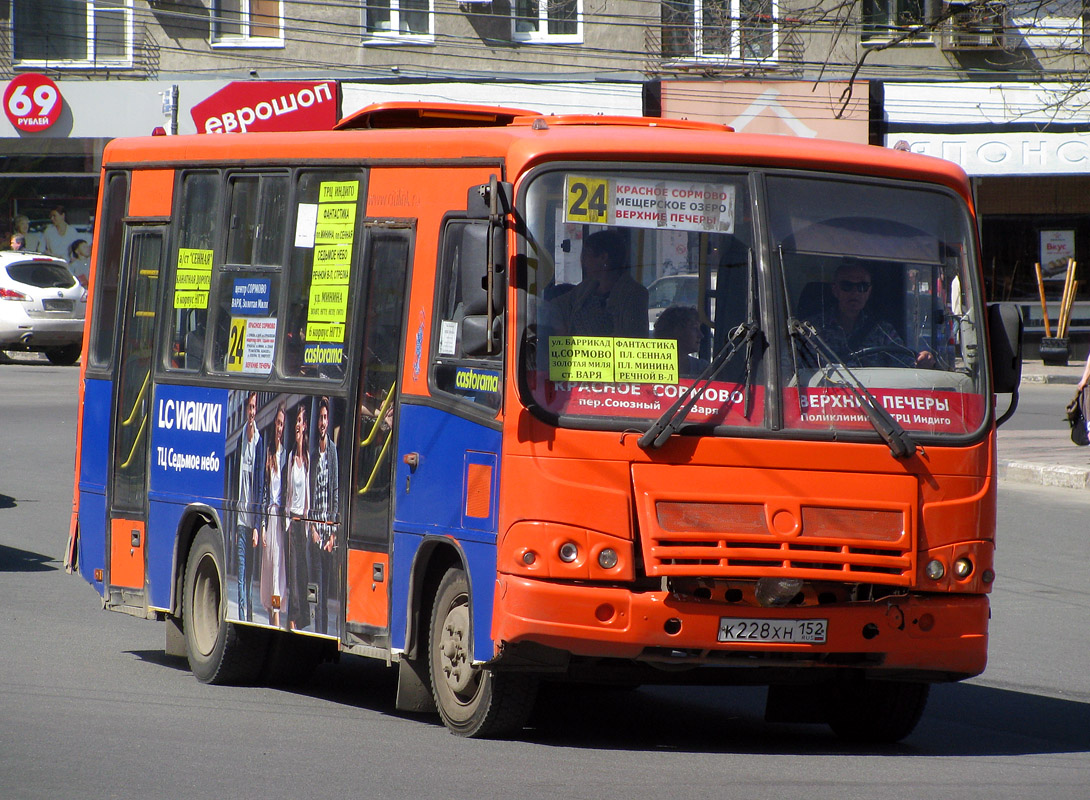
(877, 711)
(219, 652)
(472, 701)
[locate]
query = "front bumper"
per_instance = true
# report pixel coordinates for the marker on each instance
(923, 636)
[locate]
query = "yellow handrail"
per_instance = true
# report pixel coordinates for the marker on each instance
(136, 402)
(135, 442)
(378, 463)
(379, 417)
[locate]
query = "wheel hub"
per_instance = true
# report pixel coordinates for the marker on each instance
(454, 649)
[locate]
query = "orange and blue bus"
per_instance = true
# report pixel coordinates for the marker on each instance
(505, 399)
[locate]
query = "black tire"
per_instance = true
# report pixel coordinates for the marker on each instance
(880, 712)
(219, 651)
(64, 356)
(473, 702)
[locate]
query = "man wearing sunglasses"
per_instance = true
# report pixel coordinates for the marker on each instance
(858, 337)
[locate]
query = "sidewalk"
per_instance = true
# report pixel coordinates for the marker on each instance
(1045, 455)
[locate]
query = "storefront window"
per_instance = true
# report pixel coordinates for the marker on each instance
(88, 31)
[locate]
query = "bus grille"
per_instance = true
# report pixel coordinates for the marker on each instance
(737, 540)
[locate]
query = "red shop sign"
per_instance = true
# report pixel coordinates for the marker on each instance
(244, 106)
(32, 102)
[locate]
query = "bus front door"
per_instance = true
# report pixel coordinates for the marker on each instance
(128, 491)
(386, 269)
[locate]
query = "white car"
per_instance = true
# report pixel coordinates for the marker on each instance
(42, 306)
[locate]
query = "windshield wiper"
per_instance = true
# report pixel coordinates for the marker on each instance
(670, 420)
(900, 443)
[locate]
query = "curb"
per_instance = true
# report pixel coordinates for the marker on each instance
(1044, 474)
(1053, 378)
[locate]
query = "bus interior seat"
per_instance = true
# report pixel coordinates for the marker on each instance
(815, 301)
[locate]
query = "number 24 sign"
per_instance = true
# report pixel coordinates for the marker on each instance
(32, 102)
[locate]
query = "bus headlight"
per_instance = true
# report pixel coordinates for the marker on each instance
(568, 552)
(963, 568)
(607, 558)
(935, 570)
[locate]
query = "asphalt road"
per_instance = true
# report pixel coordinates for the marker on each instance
(90, 707)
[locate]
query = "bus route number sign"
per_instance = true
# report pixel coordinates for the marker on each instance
(588, 200)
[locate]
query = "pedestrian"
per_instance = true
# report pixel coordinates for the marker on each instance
(59, 235)
(31, 241)
(79, 260)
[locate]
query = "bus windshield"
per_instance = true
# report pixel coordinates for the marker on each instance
(642, 285)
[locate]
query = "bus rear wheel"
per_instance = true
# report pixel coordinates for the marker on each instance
(472, 701)
(880, 712)
(219, 652)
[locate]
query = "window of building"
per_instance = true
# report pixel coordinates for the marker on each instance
(80, 32)
(252, 23)
(884, 19)
(547, 20)
(719, 29)
(396, 19)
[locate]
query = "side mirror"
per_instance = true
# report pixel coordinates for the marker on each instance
(1005, 347)
(1005, 332)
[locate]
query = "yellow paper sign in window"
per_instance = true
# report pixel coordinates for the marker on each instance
(184, 299)
(334, 233)
(236, 347)
(581, 358)
(194, 280)
(645, 361)
(338, 191)
(327, 275)
(328, 304)
(330, 255)
(189, 258)
(342, 213)
(587, 200)
(325, 332)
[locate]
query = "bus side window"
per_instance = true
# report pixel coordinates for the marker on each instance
(195, 231)
(326, 224)
(476, 379)
(248, 287)
(115, 199)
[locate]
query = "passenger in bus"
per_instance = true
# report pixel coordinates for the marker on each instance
(608, 301)
(250, 491)
(854, 333)
(297, 503)
(273, 528)
(324, 511)
(682, 323)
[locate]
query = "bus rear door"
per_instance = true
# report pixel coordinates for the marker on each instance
(128, 493)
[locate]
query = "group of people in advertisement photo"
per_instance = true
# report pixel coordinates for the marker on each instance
(283, 490)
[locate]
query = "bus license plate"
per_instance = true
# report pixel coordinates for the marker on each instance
(738, 629)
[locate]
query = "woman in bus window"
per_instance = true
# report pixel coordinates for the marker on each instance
(297, 503)
(272, 530)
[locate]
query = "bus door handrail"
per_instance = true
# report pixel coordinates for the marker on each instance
(136, 402)
(380, 415)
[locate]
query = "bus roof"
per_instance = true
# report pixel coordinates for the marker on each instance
(415, 132)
